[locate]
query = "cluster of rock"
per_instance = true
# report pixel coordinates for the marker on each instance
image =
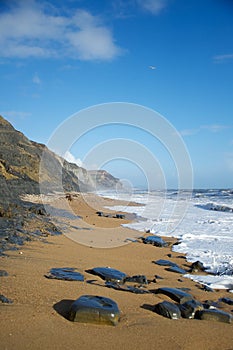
(108, 215)
(102, 310)
(22, 222)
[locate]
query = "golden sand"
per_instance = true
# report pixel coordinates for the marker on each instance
(36, 318)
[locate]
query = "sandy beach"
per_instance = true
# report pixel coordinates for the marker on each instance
(36, 319)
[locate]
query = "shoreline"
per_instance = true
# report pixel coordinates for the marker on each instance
(34, 320)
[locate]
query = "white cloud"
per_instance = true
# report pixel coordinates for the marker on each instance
(36, 79)
(214, 127)
(30, 29)
(223, 58)
(71, 159)
(188, 132)
(16, 114)
(152, 6)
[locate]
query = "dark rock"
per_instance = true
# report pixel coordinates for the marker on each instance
(100, 213)
(5, 300)
(154, 240)
(94, 309)
(65, 273)
(207, 289)
(227, 301)
(108, 274)
(3, 273)
(168, 309)
(189, 308)
(163, 262)
(126, 288)
(159, 277)
(215, 315)
(140, 279)
(175, 294)
(120, 216)
(197, 266)
(208, 304)
(176, 269)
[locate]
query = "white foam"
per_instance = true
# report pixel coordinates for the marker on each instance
(205, 231)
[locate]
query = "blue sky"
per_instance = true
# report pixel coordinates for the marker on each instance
(59, 57)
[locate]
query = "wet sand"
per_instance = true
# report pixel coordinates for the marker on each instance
(36, 319)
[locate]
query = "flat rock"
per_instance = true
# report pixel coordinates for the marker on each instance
(126, 288)
(119, 216)
(108, 274)
(190, 307)
(215, 315)
(140, 279)
(176, 269)
(175, 294)
(227, 301)
(168, 309)
(5, 300)
(163, 262)
(65, 273)
(94, 309)
(3, 273)
(155, 240)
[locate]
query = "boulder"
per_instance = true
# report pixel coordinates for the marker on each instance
(154, 240)
(175, 294)
(94, 309)
(65, 273)
(163, 262)
(190, 307)
(168, 309)
(215, 315)
(108, 274)
(176, 269)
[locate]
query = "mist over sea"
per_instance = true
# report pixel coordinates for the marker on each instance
(201, 220)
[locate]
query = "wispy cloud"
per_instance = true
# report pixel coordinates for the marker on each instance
(223, 58)
(30, 29)
(126, 8)
(36, 79)
(15, 114)
(213, 128)
(152, 6)
(188, 132)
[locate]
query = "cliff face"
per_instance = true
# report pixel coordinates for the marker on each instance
(95, 179)
(20, 172)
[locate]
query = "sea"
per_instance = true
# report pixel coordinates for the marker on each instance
(201, 220)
